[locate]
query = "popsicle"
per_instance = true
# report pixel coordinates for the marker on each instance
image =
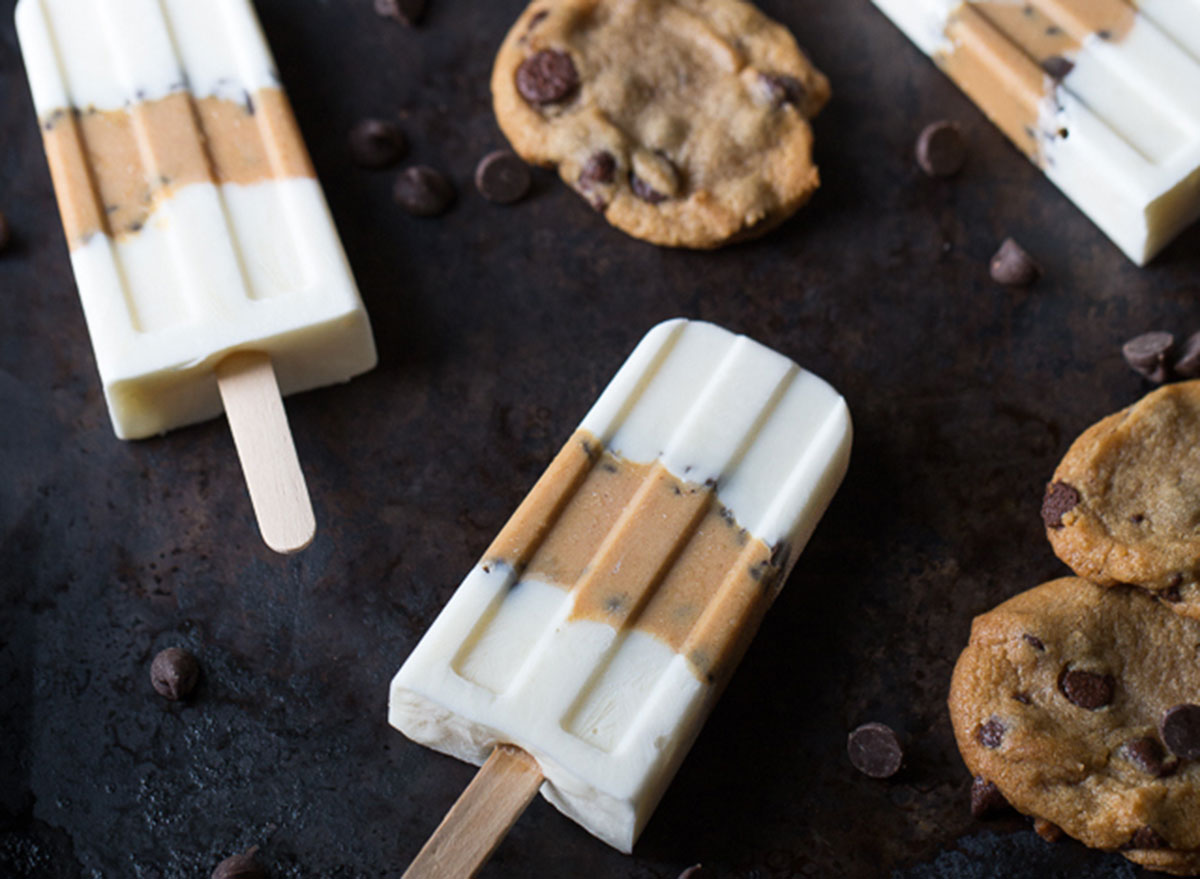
(1100, 94)
(583, 652)
(205, 256)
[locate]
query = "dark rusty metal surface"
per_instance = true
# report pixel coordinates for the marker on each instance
(497, 327)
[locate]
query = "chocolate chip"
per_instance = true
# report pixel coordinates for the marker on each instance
(1058, 67)
(1087, 689)
(1180, 731)
(375, 143)
(1148, 755)
(1188, 364)
(601, 167)
(986, 798)
(404, 11)
(502, 178)
(1047, 830)
(1147, 837)
(547, 77)
(1013, 266)
(941, 149)
(1023, 698)
(991, 734)
(875, 750)
(1148, 354)
(783, 89)
(1060, 498)
(5, 233)
(243, 866)
(423, 191)
(174, 673)
(1034, 641)
(645, 191)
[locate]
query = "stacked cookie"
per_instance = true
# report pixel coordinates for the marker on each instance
(1078, 701)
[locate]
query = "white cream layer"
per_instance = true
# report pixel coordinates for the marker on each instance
(1130, 156)
(216, 269)
(610, 715)
(110, 53)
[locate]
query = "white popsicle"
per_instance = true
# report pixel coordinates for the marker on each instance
(1100, 94)
(598, 629)
(195, 222)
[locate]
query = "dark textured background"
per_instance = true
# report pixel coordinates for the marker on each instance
(496, 328)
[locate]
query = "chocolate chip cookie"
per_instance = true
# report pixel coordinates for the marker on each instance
(684, 121)
(1124, 504)
(1079, 703)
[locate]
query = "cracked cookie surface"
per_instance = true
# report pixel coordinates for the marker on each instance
(684, 121)
(1063, 700)
(1124, 504)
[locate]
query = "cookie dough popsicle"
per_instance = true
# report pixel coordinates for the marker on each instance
(583, 652)
(1099, 94)
(209, 269)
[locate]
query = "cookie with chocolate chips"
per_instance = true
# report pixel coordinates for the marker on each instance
(1077, 704)
(685, 122)
(1124, 504)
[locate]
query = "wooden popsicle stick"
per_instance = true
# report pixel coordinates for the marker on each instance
(481, 818)
(264, 444)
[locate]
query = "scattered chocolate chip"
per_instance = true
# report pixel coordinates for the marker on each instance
(991, 734)
(174, 673)
(941, 149)
(547, 77)
(1013, 266)
(875, 750)
(696, 871)
(1172, 595)
(1087, 689)
(1047, 830)
(1137, 518)
(645, 191)
(601, 167)
(502, 178)
(423, 192)
(986, 798)
(1147, 837)
(1148, 755)
(1148, 354)
(1180, 731)
(5, 233)
(1060, 498)
(1058, 67)
(1034, 641)
(783, 89)
(243, 866)
(1188, 363)
(406, 12)
(376, 143)
(1023, 698)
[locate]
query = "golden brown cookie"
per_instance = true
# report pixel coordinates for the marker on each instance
(1063, 700)
(1124, 504)
(684, 121)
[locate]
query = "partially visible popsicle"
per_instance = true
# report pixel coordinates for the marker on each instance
(195, 222)
(1100, 94)
(598, 629)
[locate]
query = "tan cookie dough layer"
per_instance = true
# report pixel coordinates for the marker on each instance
(1067, 764)
(1137, 477)
(1001, 53)
(685, 95)
(112, 169)
(643, 549)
